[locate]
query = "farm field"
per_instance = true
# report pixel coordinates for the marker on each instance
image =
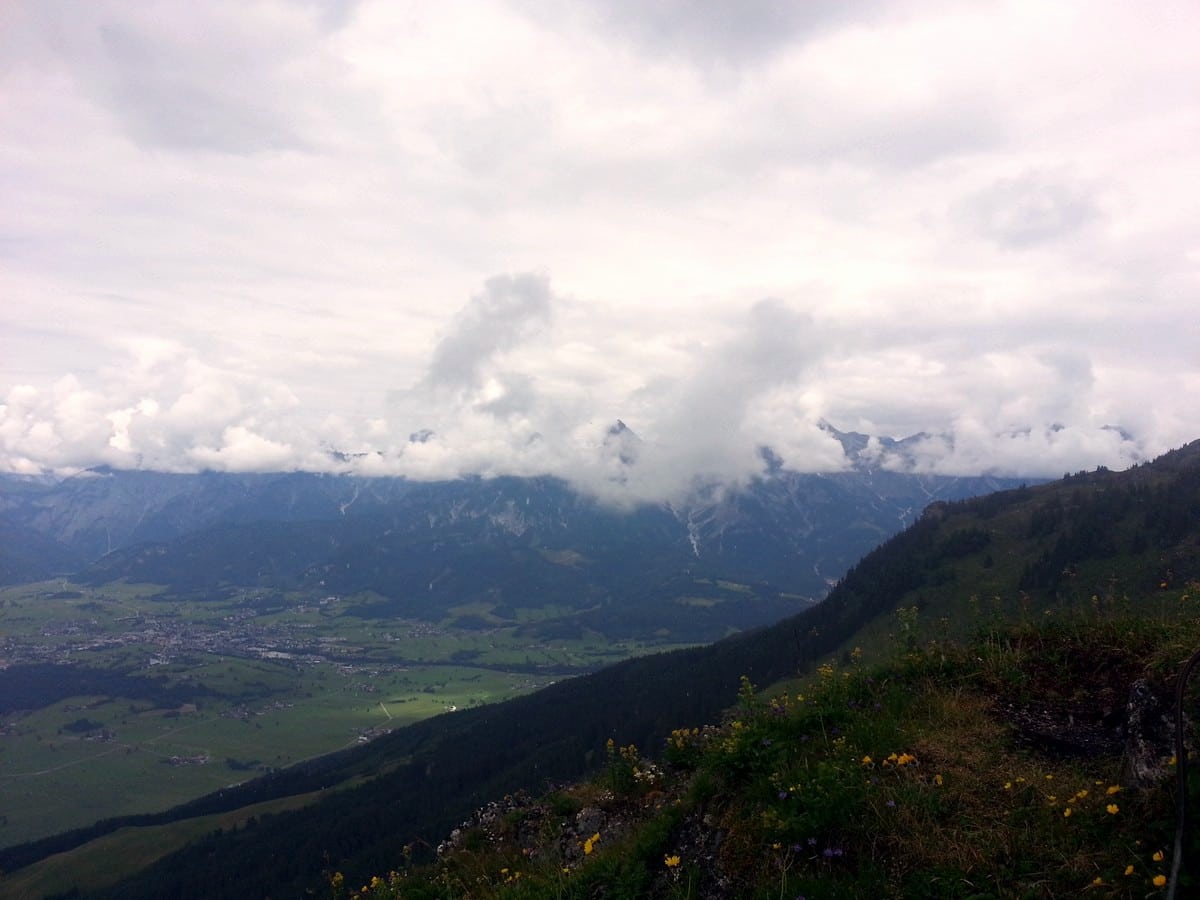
(121, 699)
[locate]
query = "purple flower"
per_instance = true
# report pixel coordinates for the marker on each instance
(891, 804)
(783, 795)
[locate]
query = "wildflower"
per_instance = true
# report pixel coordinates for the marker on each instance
(670, 861)
(1067, 813)
(1112, 809)
(783, 795)
(891, 804)
(590, 844)
(937, 779)
(866, 761)
(1158, 880)
(1097, 881)
(1008, 785)
(1112, 789)
(1158, 856)
(1129, 870)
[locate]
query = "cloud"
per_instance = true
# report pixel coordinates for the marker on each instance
(255, 234)
(242, 450)
(507, 312)
(1031, 209)
(720, 32)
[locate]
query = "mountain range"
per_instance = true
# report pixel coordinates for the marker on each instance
(1091, 541)
(734, 556)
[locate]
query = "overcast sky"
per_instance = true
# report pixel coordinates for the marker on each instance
(240, 235)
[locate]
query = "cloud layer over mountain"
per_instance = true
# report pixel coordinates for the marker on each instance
(449, 238)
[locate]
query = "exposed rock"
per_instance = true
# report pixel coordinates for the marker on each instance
(1064, 730)
(1149, 737)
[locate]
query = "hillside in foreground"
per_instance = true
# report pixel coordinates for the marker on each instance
(1034, 760)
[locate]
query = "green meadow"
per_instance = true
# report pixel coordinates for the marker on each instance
(187, 695)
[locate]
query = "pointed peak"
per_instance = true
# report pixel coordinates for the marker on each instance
(622, 441)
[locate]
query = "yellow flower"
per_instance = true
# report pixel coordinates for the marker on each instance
(1129, 870)
(670, 861)
(1067, 813)
(1097, 880)
(866, 761)
(1158, 880)
(590, 844)
(1112, 789)
(1112, 809)
(1008, 785)
(1158, 856)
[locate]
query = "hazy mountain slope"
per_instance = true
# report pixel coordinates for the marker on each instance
(424, 548)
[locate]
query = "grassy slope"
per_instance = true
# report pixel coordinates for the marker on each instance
(105, 861)
(896, 781)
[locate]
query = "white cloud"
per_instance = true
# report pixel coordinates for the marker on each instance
(246, 234)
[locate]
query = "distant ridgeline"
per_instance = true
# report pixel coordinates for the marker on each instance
(1093, 540)
(724, 561)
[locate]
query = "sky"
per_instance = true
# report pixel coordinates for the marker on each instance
(433, 239)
